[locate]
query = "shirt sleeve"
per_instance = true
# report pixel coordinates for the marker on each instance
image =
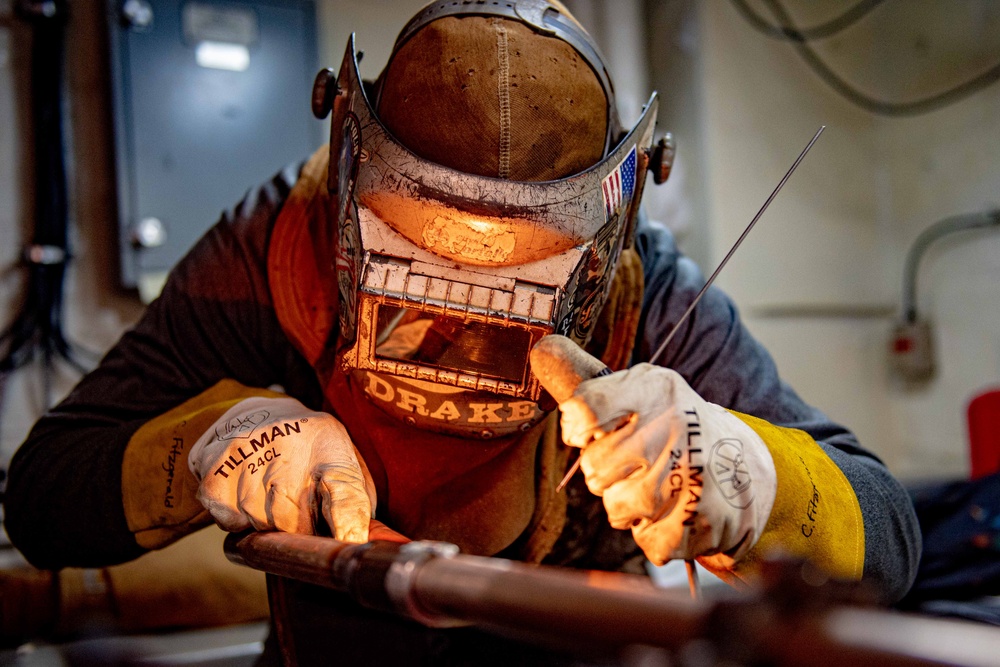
(722, 361)
(213, 321)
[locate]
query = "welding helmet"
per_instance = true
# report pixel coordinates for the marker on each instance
(449, 270)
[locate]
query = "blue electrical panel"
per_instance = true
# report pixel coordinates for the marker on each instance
(210, 98)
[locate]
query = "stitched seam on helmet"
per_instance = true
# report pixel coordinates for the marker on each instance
(503, 92)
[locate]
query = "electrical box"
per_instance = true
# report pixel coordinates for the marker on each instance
(210, 98)
(911, 352)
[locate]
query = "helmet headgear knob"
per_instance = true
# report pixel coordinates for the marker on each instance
(662, 160)
(324, 90)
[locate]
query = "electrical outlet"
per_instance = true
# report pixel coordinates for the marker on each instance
(911, 351)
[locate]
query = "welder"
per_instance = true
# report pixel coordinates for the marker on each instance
(352, 343)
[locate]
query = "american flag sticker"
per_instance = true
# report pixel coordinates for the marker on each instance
(618, 186)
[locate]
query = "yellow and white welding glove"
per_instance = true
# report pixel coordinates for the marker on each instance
(273, 464)
(693, 480)
(688, 477)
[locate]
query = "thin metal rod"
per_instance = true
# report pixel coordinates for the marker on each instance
(708, 283)
(569, 475)
(693, 584)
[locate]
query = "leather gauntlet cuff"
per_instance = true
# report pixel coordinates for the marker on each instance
(816, 515)
(158, 490)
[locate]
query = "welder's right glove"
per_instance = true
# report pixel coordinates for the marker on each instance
(273, 464)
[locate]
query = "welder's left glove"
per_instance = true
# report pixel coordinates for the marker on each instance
(693, 480)
(688, 477)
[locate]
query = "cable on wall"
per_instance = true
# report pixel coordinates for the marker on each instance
(37, 331)
(789, 31)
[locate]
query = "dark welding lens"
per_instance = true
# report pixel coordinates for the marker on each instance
(476, 348)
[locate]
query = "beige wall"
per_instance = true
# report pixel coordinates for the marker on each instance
(375, 24)
(820, 278)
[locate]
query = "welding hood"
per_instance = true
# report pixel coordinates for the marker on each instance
(446, 279)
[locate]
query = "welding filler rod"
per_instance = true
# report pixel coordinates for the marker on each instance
(691, 571)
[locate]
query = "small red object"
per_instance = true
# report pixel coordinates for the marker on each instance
(902, 345)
